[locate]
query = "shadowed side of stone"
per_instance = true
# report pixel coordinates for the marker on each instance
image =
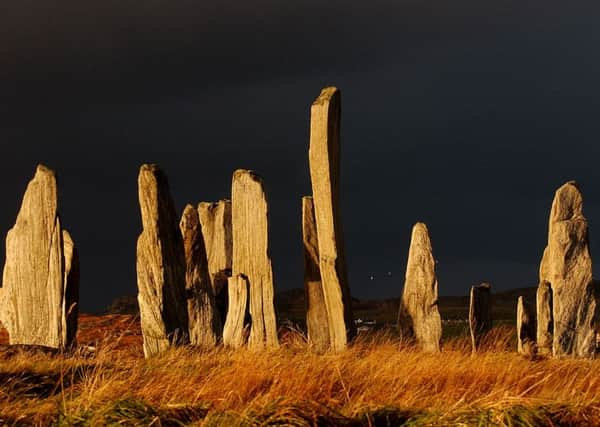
(567, 266)
(526, 330)
(316, 311)
(419, 317)
(161, 268)
(545, 320)
(215, 221)
(249, 214)
(480, 313)
(39, 297)
(324, 160)
(204, 321)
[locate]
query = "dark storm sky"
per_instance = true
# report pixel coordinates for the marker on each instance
(465, 114)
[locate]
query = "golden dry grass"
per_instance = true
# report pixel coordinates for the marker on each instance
(377, 381)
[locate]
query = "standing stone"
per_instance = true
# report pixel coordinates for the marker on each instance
(480, 313)
(324, 159)
(39, 301)
(215, 219)
(233, 332)
(251, 259)
(204, 322)
(545, 320)
(161, 268)
(567, 266)
(71, 290)
(419, 317)
(525, 328)
(316, 313)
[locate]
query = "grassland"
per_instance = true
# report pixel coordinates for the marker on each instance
(377, 381)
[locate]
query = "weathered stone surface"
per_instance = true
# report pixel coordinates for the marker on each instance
(525, 328)
(545, 320)
(316, 311)
(480, 313)
(204, 321)
(233, 332)
(39, 297)
(567, 266)
(324, 159)
(251, 259)
(161, 268)
(419, 317)
(215, 219)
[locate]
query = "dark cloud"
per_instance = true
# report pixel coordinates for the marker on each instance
(465, 114)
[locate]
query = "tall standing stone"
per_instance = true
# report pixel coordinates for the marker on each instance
(316, 313)
(567, 266)
(204, 321)
(251, 258)
(161, 267)
(480, 313)
(215, 219)
(39, 300)
(525, 328)
(233, 331)
(419, 317)
(545, 319)
(324, 159)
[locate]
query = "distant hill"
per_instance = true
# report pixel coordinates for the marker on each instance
(291, 305)
(127, 304)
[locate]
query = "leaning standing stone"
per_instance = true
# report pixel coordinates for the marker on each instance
(324, 160)
(204, 322)
(316, 311)
(567, 266)
(419, 317)
(161, 267)
(40, 291)
(251, 259)
(525, 328)
(545, 321)
(480, 313)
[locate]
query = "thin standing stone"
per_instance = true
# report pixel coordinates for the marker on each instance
(324, 160)
(480, 313)
(545, 320)
(525, 328)
(233, 332)
(215, 219)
